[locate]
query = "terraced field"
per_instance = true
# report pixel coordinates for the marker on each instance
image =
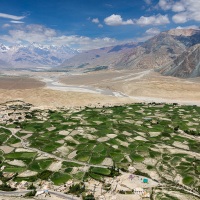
(160, 140)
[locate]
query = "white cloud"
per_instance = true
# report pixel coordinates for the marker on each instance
(178, 7)
(25, 34)
(95, 20)
(6, 26)
(84, 43)
(116, 20)
(100, 26)
(109, 5)
(35, 28)
(156, 20)
(16, 22)
(153, 20)
(29, 33)
(180, 18)
(153, 31)
(165, 4)
(186, 10)
(13, 17)
(148, 2)
(189, 27)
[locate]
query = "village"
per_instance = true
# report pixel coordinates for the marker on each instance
(100, 152)
(127, 185)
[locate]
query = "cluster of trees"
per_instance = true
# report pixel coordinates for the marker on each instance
(31, 187)
(6, 187)
(191, 132)
(31, 193)
(5, 179)
(88, 197)
(176, 128)
(114, 171)
(77, 189)
(139, 173)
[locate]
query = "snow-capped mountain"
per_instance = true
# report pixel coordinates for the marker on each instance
(34, 55)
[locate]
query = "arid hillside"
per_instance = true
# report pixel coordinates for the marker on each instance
(187, 65)
(159, 51)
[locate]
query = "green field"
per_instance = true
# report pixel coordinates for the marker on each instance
(160, 137)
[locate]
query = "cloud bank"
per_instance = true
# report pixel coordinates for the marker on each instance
(186, 10)
(13, 17)
(26, 34)
(116, 20)
(155, 20)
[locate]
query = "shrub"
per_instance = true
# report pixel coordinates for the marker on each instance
(88, 197)
(31, 187)
(30, 194)
(142, 174)
(77, 189)
(6, 187)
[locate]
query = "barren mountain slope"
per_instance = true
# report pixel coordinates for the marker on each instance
(158, 51)
(108, 56)
(186, 65)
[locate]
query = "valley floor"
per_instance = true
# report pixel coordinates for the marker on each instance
(54, 89)
(144, 85)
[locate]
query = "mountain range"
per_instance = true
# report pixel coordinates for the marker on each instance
(175, 53)
(34, 55)
(166, 52)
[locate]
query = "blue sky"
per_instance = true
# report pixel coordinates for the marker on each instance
(87, 24)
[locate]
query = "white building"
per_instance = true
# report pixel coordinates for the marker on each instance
(139, 191)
